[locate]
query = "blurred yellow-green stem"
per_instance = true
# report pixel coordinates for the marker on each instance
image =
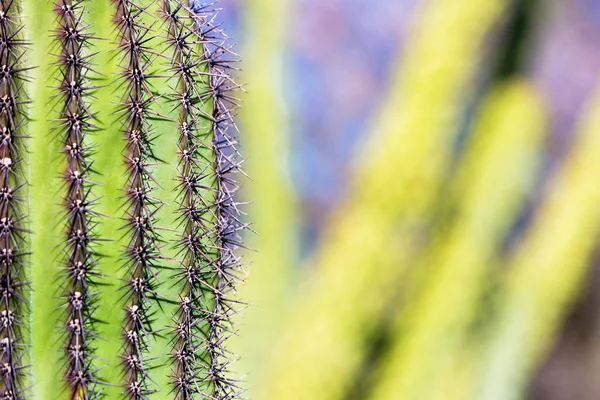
(369, 243)
(546, 270)
(273, 211)
(489, 190)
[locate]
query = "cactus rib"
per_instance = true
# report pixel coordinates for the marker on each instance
(191, 166)
(227, 269)
(210, 218)
(12, 220)
(76, 121)
(142, 255)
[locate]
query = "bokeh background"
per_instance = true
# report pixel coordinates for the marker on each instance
(426, 195)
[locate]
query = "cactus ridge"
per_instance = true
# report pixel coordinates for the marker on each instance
(13, 234)
(210, 218)
(192, 168)
(227, 271)
(79, 276)
(143, 255)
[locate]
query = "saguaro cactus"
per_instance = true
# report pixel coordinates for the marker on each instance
(209, 212)
(75, 123)
(12, 218)
(168, 80)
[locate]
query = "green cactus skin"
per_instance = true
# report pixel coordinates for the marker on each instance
(102, 170)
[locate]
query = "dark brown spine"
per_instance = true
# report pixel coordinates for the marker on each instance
(76, 121)
(12, 223)
(143, 256)
(211, 219)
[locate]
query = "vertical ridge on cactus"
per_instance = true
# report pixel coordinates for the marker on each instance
(12, 219)
(227, 267)
(143, 253)
(209, 214)
(51, 185)
(181, 39)
(79, 275)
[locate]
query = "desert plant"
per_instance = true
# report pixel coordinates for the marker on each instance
(393, 188)
(450, 267)
(129, 102)
(453, 272)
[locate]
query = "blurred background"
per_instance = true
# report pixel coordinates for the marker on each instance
(425, 188)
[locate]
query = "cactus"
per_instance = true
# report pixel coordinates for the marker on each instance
(13, 235)
(320, 353)
(88, 225)
(79, 266)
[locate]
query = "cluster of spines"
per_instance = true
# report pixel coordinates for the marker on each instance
(12, 223)
(143, 256)
(210, 215)
(195, 256)
(76, 121)
(230, 224)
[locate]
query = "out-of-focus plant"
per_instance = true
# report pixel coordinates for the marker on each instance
(545, 272)
(264, 119)
(433, 323)
(413, 292)
(373, 238)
